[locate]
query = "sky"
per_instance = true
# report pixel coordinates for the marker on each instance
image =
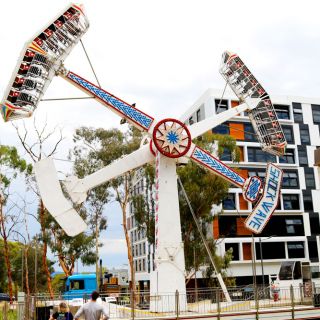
(161, 55)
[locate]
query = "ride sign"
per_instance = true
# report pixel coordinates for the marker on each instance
(268, 202)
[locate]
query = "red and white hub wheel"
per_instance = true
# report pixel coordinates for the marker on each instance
(172, 138)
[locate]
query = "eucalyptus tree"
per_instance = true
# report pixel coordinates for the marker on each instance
(41, 141)
(11, 165)
(97, 148)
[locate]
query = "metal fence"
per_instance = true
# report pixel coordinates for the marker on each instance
(211, 301)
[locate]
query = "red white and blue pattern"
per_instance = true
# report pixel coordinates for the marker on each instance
(172, 138)
(268, 202)
(208, 160)
(251, 192)
(136, 116)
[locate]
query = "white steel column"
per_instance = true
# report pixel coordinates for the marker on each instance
(169, 273)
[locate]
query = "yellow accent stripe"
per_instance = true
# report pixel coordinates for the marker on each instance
(35, 47)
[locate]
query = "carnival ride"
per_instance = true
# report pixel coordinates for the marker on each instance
(169, 142)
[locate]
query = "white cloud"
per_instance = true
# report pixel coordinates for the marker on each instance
(113, 246)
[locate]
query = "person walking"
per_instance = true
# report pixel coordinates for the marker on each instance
(92, 310)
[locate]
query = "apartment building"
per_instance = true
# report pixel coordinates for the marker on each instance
(291, 237)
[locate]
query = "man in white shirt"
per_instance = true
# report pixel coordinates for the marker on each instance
(92, 310)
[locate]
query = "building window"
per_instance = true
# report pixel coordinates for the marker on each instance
(258, 173)
(308, 204)
(229, 203)
(257, 155)
(310, 182)
(143, 265)
(283, 112)
(304, 135)
(316, 113)
(221, 129)
(144, 248)
(198, 114)
(191, 121)
(76, 284)
(249, 133)
(227, 226)
(293, 226)
(226, 155)
(290, 179)
(313, 250)
(235, 250)
(314, 223)
(288, 157)
(221, 105)
(296, 249)
(297, 112)
(303, 157)
(288, 133)
(268, 251)
(291, 202)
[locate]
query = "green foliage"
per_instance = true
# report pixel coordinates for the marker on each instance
(11, 314)
(209, 141)
(203, 189)
(10, 158)
(16, 251)
(58, 283)
(95, 149)
(144, 205)
(68, 249)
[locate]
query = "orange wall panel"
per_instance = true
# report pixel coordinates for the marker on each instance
(237, 130)
(234, 103)
(243, 203)
(241, 154)
(215, 226)
(242, 172)
(241, 229)
(246, 248)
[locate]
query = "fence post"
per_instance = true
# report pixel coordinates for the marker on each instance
(292, 301)
(177, 304)
(256, 298)
(132, 303)
(21, 306)
(5, 311)
(301, 293)
(218, 303)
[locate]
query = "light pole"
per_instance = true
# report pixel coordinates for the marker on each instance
(261, 258)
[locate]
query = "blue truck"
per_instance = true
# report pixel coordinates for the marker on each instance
(80, 286)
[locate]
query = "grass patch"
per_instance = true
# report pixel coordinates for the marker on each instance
(11, 315)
